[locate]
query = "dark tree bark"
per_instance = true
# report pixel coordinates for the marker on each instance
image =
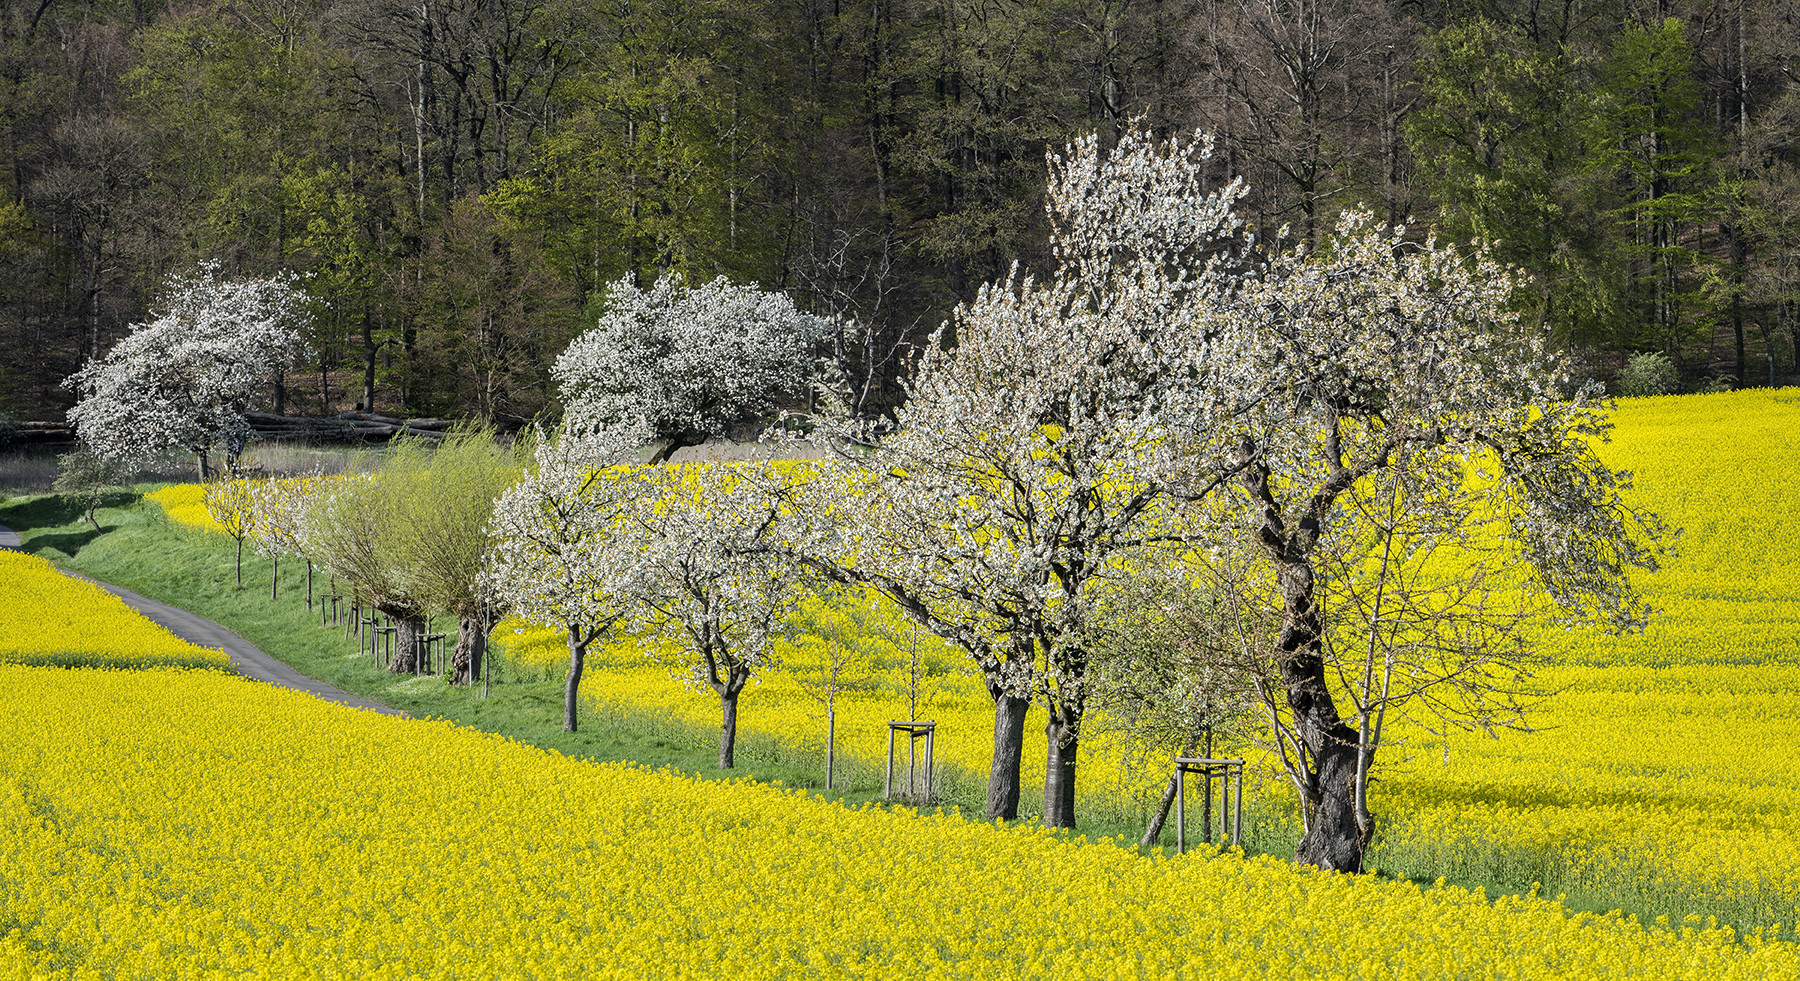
(1066, 706)
(274, 576)
(1009, 747)
(471, 650)
(572, 685)
(240, 563)
(1333, 839)
(729, 684)
(728, 707)
(1064, 738)
(409, 627)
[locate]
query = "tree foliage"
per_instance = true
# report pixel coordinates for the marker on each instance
(703, 564)
(185, 379)
(689, 360)
(1030, 458)
(555, 556)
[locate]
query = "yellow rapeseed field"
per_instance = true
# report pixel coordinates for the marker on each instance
(180, 824)
(1662, 770)
(49, 618)
(185, 504)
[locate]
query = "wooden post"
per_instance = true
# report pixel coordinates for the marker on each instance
(887, 781)
(1231, 798)
(1180, 809)
(830, 744)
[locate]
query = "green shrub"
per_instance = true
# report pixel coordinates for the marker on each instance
(1648, 373)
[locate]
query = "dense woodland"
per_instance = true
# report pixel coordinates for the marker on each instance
(460, 179)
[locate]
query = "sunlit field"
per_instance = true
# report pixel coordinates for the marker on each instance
(49, 618)
(162, 823)
(1659, 777)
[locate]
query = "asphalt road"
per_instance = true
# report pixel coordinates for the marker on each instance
(246, 657)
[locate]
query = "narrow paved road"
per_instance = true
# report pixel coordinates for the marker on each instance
(246, 657)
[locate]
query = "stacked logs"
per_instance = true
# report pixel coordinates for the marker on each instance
(345, 427)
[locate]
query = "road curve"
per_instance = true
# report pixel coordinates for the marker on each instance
(247, 658)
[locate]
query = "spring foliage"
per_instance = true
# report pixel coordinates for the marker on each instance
(688, 360)
(184, 379)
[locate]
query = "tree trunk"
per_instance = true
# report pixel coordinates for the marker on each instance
(1064, 739)
(728, 705)
(409, 626)
(471, 648)
(572, 686)
(1009, 747)
(309, 596)
(205, 466)
(1161, 816)
(240, 563)
(368, 386)
(274, 576)
(1333, 839)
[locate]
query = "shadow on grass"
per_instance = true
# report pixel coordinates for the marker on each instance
(49, 511)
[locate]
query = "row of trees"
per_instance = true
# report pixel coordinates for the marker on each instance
(1352, 473)
(461, 179)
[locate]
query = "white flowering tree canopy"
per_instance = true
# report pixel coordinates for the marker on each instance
(556, 555)
(709, 573)
(184, 379)
(1032, 456)
(688, 360)
(281, 505)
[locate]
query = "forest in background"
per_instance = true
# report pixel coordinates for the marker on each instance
(460, 179)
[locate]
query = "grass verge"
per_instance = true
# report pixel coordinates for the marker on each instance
(138, 548)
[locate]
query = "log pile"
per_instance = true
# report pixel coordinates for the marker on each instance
(345, 427)
(45, 434)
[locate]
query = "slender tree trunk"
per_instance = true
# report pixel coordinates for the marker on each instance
(368, 387)
(274, 576)
(309, 596)
(409, 626)
(728, 711)
(240, 563)
(205, 466)
(1009, 747)
(471, 648)
(1161, 816)
(1064, 739)
(572, 685)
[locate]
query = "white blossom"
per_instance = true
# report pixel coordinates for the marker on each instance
(689, 361)
(184, 379)
(555, 557)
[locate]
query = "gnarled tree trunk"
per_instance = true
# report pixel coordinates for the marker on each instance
(1333, 838)
(471, 649)
(1064, 739)
(1009, 747)
(409, 627)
